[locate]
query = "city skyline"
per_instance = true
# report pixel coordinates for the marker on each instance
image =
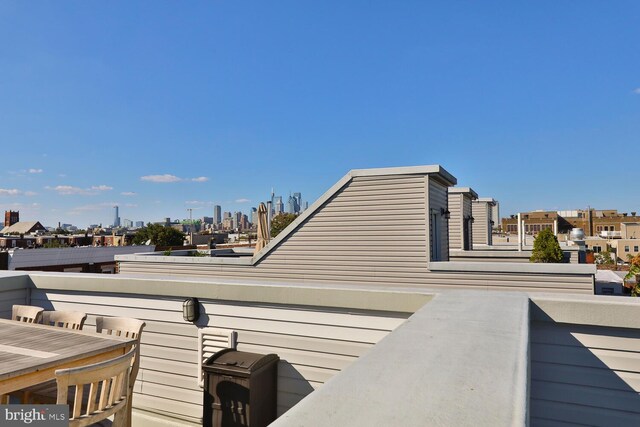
(190, 110)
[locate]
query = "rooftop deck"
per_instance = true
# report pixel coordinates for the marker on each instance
(400, 355)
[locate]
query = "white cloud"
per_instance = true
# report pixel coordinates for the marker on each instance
(166, 178)
(161, 178)
(91, 208)
(35, 171)
(67, 190)
(131, 205)
(30, 193)
(70, 190)
(198, 202)
(128, 193)
(637, 91)
(9, 192)
(242, 200)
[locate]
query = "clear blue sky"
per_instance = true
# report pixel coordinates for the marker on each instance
(536, 104)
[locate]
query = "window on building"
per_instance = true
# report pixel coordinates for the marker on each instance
(635, 249)
(626, 248)
(597, 249)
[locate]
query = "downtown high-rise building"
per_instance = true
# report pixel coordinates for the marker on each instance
(116, 217)
(298, 198)
(278, 206)
(291, 205)
(217, 214)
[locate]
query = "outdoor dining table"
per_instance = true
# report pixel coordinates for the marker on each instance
(30, 353)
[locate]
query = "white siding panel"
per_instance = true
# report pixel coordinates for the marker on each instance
(313, 343)
(360, 236)
(455, 222)
(585, 375)
(438, 200)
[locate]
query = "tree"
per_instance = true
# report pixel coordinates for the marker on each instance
(604, 258)
(159, 235)
(634, 271)
(54, 243)
(546, 248)
(280, 222)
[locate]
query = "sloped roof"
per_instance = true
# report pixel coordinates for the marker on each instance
(23, 227)
(435, 171)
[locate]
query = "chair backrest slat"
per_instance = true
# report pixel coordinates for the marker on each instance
(64, 319)
(110, 376)
(127, 327)
(26, 313)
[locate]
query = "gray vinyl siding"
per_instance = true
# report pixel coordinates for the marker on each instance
(373, 231)
(570, 256)
(481, 225)
(584, 375)
(529, 282)
(460, 208)
(456, 238)
(466, 213)
(313, 344)
(13, 291)
(438, 199)
(10, 297)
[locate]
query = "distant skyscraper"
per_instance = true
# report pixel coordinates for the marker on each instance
(298, 198)
(127, 223)
(279, 206)
(139, 224)
(291, 205)
(254, 215)
(116, 217)
(217, 214)
(306, 206)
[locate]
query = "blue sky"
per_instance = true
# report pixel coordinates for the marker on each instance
(163, 106)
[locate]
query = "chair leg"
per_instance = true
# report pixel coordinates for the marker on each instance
(120, 419)
(128, 411)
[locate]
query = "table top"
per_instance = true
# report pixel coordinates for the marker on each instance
(26, 347)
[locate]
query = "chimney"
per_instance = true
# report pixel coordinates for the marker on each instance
(11, 217)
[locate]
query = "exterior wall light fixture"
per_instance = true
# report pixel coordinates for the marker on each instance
(191, 309)
(445, 213)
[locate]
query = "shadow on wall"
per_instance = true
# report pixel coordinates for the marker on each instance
(587, 375)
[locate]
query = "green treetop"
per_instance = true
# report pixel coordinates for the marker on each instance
(546, 248)
(159, 235)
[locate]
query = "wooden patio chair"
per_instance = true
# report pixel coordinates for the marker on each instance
(124, 327)
(118, 326)
(108, 391)
(26, 313)
(64, 319)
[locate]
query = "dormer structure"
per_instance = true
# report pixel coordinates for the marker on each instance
(461, 217)
(483, 220)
